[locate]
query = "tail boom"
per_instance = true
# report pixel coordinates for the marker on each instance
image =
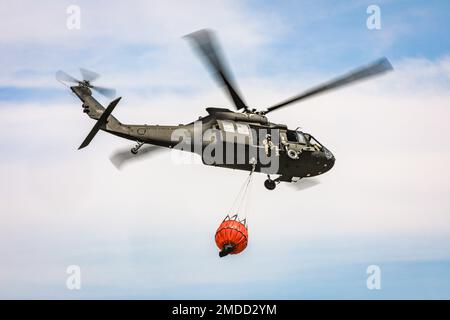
(151, 134)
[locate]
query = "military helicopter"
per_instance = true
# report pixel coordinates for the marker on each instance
(297, 154)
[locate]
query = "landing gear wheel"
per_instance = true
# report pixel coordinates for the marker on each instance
(137, 147)
(270, 184)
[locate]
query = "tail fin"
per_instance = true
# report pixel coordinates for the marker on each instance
(102, 120)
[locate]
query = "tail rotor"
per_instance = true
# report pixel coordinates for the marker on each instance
(88, 77)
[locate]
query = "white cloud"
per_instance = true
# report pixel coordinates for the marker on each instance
(150, 227)
(38, 43)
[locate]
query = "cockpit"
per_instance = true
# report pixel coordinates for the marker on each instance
(305, 140)
(301, 145)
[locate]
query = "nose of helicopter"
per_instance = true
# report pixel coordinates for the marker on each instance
(329, 159)
(325, 160)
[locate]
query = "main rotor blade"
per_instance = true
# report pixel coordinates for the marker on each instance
(64, 77)
(378, 67)
(122, 157)
(89, 75)
(208, 48)
(107, 92)
(303, 184)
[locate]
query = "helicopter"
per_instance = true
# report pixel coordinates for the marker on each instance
(244, 137)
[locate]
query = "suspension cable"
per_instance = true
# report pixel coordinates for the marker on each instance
(240, 200)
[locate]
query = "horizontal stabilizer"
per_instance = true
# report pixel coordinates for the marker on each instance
(102, 120)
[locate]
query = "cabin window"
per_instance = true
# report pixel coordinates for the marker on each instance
(228, 126)
(242, 128)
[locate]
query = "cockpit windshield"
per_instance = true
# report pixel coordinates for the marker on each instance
(295, 136)
(313, 142)
(301, 138)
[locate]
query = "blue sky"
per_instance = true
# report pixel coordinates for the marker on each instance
(309, 37)
(147, 231)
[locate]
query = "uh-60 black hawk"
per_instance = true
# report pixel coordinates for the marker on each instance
(297, 154)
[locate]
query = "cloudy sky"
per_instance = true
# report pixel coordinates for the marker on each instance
(147, 231)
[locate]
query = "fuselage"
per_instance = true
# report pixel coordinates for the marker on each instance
(223, 138)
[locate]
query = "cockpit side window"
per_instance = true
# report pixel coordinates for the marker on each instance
(292, 136)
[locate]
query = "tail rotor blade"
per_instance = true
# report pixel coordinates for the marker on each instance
(88, 75)
(107, 92)
(64, 77)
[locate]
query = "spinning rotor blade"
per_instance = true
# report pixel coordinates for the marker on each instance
(107, 92)
(89, 75)
(122, 157)
(208, 49)
(303, 184)
(64, 77)
(378, 67)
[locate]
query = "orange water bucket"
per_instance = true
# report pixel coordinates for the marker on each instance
(232, 236)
